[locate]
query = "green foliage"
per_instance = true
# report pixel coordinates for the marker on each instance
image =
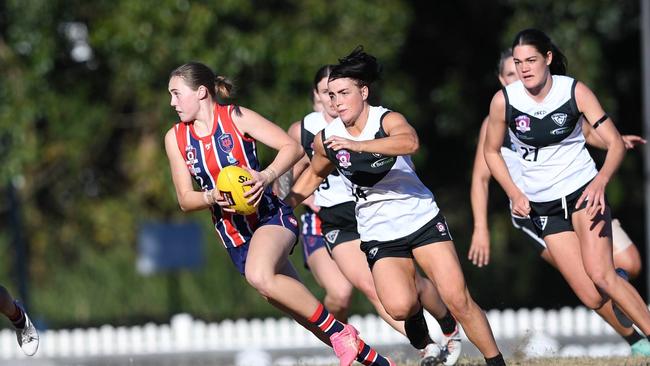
(82, 139)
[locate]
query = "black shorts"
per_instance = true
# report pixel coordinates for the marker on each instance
(555, 216)
(527, 227)
(338, 224)
(433, 231)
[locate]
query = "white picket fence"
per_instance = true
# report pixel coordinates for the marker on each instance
(185, 334)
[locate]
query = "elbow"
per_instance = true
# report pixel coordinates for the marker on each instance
(413, 145)
(183, 207)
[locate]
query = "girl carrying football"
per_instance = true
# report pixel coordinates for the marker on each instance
(210, 136)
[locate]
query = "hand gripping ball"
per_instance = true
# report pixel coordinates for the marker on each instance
(230, 184)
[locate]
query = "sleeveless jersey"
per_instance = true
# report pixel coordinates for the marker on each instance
(206, 156)
(548, 138)
(392, 202)
(333, 190)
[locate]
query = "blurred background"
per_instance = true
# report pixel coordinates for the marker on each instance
(84, 107)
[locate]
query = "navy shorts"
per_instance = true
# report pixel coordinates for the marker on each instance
(280, 216)
(311, 235)
(434, 231)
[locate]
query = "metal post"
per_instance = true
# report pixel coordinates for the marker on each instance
(645, 101)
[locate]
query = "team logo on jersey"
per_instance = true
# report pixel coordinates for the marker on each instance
(441, 227)
(540, 221)
(343, 156)
(293, 221)
(559, 131)
(226, 143)
(331, 236)
(523, 123)
(191, 160)
(382, 162)
(559, 118)
(373, 252)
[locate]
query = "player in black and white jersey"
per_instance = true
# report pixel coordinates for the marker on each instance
(333, 206)
(563, 192)
(626, 255)
(397, 217)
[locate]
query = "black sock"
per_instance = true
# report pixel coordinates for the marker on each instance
(633, 338)
(447, 323)
(417, 331)
(495, 361)
(18, 318)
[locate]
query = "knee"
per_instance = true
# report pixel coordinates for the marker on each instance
(259, 280)
(401, 310)
(459, 303)
(340, 297)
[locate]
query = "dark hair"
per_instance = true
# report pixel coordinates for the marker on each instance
(197, 74)
(543, 44)
(323, 72)
(505, 54)
(358, 65)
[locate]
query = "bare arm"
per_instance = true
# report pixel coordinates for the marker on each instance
(311, 177)
(271, 135)
(188, 198)
(479, 250)
(401, 140)
(496, 129)
(589, 105)
(592, 138)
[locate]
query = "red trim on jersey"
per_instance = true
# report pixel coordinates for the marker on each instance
(228, 126)
(181, 131)
(207, 138)
(247, 138)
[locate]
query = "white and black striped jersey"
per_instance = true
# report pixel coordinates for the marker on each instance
(548, 139)
(392, 202)
(334, 190)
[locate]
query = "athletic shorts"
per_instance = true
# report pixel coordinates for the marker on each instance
(620, 239)
(555, 216)
(311, 234)
(434, 231)
(339, 224)
(279, 215)
(527, 227)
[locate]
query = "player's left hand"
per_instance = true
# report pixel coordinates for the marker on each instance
(632, 141)
(337, 143)
(594, 194)
(258, 185)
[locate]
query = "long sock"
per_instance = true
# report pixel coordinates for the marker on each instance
(447, 323)
(417, 331)
(495, 361)
(325, 321)
(18, 318)
(328, 324)
(369, 357)
(633, 337)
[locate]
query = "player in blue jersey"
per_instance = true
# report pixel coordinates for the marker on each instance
(210, 136)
